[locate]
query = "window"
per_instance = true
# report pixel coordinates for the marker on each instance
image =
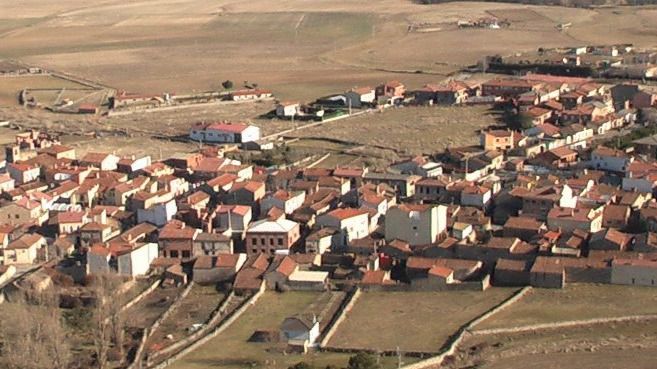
(271, 241)
(186, 254)
(16, 216)
(173, 253)
(255, 251)
(263, 242)
(280, 242)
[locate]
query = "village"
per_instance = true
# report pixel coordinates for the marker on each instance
(558, 195)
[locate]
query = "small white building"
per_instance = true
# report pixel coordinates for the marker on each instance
(353, 223)
(604, 158)
(284, 200)
(300, 331)
(288, 109)
(224, 133)
(158, 214)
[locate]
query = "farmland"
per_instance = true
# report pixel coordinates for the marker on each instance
(385, 320)
(627, 345)
(383, 137)
(267, 314)
(301, 50)
(575, 302)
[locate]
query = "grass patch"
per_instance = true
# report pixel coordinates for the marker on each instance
(412, 321)
(576, 301)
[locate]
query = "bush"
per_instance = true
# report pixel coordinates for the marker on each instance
(363, 360)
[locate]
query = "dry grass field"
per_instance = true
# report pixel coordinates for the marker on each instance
(300, 49)
(379, 138)
(412, 321)
(576, 301)
(10, 87)
(631, 345)
(231, 349)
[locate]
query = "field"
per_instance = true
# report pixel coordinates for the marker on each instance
(231, 349)
(630, 345)
(195, 308)
(10, 87)
(412, 321)
(576, 301)
(380, 138)
(299, 49)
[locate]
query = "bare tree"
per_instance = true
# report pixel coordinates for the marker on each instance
(108, 324)
(32, 334)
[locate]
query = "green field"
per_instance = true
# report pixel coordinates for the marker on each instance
(576, 301)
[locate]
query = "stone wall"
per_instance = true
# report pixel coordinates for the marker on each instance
(225, 324)
(340, 316)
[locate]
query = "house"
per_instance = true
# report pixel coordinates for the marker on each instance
(510, 272)
(570, 219)
(352, 223)
(212, 244)
(176, 240)
(611, 239)
(235, 218)
(300, 331)
(288, 109)
(558, 158)
(306, 280)
(6, 183)
(24, 250)
(404, 184)
(508, 87)
(250, 94)
(616, 216)
(608, 159)
(500, 139)
(102, 161)
(394, 89)
(134, 164)
(124, 259)
(70, 221)
(319, 241)
(287, 201)
(23, 173)
(280, 269)
(476, 195)
(640, 177)
(94, 232)
(246, 193)
(210, 269)
(249, 278)
(525, 228)
(358, 97)
(224, 133)
(269, 236)
(418, 165)
(159, 213)
(634, 272)
(416, 224)
(547, 272)
(23, 211)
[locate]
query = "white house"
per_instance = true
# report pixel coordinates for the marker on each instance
(124, 259)
(138, 260)
(224, 133)
(23, 173)
(415, 224)
(102, 161)
(284, 200)
(300, 330)
(608, 159)
(353, 223)
(288, 109)
(158, 214)
(477, 196)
